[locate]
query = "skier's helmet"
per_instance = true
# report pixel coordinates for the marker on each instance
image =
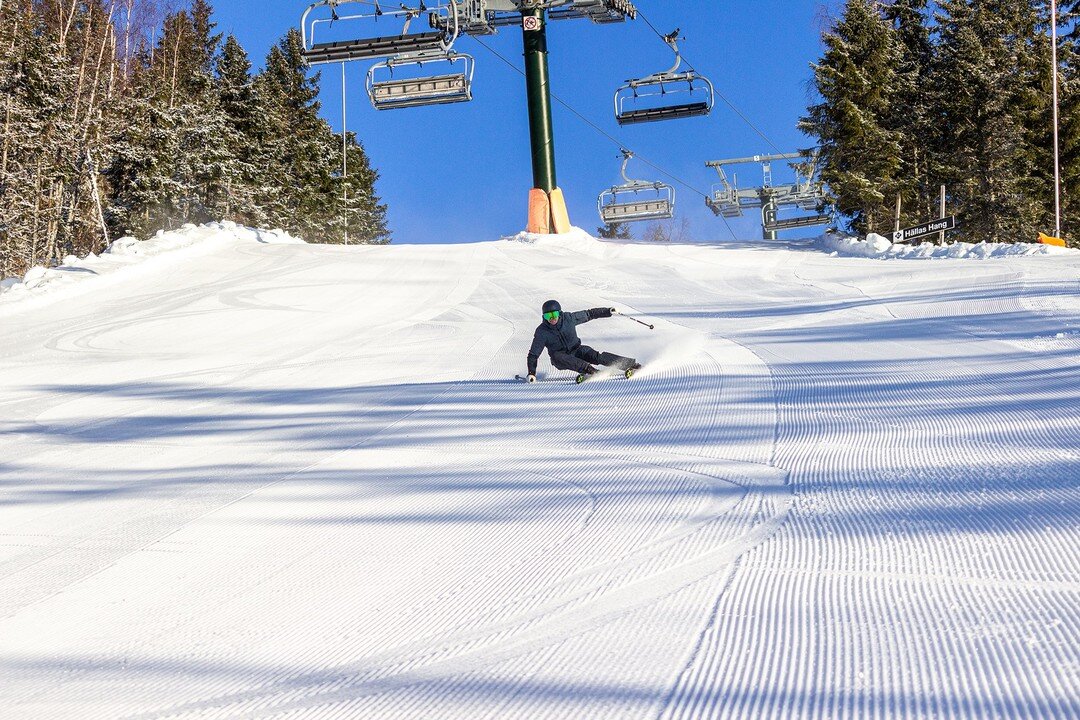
(551, 310)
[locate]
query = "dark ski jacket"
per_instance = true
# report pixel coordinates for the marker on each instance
(562, 336)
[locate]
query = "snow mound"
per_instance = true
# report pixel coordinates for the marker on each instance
(879, 247)
(124, 255)
(576, 241)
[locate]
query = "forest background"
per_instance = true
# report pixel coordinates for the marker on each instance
(125, 117)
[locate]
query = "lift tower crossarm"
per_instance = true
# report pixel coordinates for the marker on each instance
(583, 8)
(759, 158)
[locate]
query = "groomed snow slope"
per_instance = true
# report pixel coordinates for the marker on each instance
(280, 480)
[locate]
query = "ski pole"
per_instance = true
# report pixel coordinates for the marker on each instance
(639, 322)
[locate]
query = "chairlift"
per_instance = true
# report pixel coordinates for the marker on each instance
(388, 92)
(636, 200)
(340, 47)
(647, 99)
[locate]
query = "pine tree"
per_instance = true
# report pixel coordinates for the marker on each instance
(911, 114)
(982, 80)
(242, 138)
(1069, 119)
(291, 154)
(364, 209)
(56, 72)
(1034, 105)
(140, 171)
(20, 128)
(303, 189)
(857, 79)
(614, 231)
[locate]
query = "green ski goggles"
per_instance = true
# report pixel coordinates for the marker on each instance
(553, 315)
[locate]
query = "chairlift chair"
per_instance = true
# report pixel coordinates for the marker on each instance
(647, 99)
(636, 200)
(442, 17)
(388, 92)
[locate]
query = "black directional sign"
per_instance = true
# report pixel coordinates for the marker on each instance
(934, 226)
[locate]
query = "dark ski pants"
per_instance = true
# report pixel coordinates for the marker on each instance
(581, 359)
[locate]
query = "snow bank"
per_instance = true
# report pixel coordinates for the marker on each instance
(575, 241)
(125, 254)
(877, 246)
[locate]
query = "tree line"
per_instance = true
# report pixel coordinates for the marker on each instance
(917, 94)
(119, 118)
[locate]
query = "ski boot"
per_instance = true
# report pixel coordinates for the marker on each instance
(585, 374)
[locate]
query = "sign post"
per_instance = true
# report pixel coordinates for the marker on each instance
(941, 235)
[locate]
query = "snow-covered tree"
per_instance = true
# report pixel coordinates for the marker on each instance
(242, 138)
(56, 70)
(305, 192)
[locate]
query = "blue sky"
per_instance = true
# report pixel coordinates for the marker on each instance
(461, 172)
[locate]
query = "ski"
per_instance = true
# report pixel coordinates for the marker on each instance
(628, 373)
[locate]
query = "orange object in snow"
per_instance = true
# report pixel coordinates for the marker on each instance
(539, 212)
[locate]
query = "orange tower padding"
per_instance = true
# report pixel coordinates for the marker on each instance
(560, 218)
(1049, 240)
(539, 212)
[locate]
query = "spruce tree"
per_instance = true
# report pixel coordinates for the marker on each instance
(361, 205)
(911, 114)
(1035, 107)
(614, 231)
(303, 190)
(982, 79)
(857, 79)
(1069, 119)
(239, 105)
(140, 170)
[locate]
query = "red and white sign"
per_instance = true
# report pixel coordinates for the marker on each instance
(530, 23)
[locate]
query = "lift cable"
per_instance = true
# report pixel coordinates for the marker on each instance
(606, 134)
(718, 93)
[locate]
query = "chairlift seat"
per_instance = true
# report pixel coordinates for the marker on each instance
(725, 208)
(659, 209)
(671, 112)
(413, 92)
(344, 50)
(388, 92)
(797, 222)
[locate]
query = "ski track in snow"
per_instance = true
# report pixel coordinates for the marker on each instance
(294, 481)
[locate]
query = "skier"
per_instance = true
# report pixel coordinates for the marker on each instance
(558, 333)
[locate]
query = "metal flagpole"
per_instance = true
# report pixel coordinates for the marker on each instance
(1057, 156)
(344, 164)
